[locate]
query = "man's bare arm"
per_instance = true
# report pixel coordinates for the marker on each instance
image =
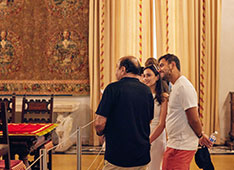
(195, 123)
(100, 124)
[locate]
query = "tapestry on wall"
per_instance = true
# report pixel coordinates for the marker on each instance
(44, 46)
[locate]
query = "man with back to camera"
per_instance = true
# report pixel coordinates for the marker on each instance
(183, 125)
(123, 117)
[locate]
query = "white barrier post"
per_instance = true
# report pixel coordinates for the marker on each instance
(78, 149)
(43, 160)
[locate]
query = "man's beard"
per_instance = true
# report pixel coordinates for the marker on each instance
(167, 75)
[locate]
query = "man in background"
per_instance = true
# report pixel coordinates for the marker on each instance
(123, 117)
(183, 125)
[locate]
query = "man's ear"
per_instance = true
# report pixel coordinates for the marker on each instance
(173, 64)
(123, 69)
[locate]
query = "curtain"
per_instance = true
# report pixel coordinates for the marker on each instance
(117, 28)
(190, 30)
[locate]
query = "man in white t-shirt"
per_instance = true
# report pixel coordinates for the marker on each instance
(183, 125)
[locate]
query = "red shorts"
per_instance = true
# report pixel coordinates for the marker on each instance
(174, 159)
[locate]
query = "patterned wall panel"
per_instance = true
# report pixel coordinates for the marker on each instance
(44, 46)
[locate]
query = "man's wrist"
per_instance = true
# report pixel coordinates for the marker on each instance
(200, 136)
(100, 133)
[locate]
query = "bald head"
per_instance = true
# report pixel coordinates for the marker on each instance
(131, 64)
(127, 66)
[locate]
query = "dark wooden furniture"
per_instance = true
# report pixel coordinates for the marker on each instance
(26, 139)
(6, 163)
(231, 133)
(4, 144)
(230, 142)
(10, 107)
(37, 110)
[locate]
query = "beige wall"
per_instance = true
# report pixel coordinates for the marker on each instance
(226, 66)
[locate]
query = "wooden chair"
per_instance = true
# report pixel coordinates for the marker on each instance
(4, 146)
(37, 111)
(6, 163)
(10, 107)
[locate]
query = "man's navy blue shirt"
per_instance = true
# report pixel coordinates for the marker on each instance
(128, 106)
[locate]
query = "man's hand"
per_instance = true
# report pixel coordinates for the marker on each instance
(102, 139)
(205, 141)
(100, 124)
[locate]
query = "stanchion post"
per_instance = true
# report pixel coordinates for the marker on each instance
(43, 160)
(78, 149)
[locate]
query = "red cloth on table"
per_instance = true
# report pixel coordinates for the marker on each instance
(15, 165)
(31, 129)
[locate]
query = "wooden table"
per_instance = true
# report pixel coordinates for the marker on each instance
(28, 138)
(15, 165)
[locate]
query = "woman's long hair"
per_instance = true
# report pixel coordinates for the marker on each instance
(161, 86)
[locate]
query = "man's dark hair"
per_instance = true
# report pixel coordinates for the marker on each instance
(131, 65)
(169, 58)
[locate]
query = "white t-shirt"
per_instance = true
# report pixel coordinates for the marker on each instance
(182, 97)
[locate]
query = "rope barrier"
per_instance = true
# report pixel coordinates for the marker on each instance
(29, 167)
(88, 124)
(100, 164)
(63, 141)
(74, 133)
(95, 159)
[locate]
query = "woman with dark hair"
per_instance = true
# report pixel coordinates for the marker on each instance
(159, 89)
